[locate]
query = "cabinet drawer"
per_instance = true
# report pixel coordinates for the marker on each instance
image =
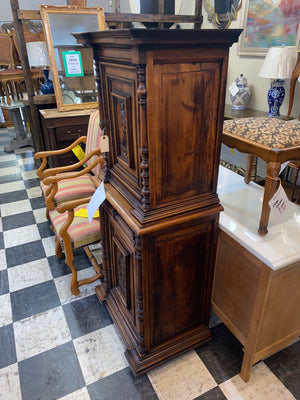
(70, 133)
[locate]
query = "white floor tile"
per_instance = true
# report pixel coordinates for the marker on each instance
(263, 384)
(10, 388)
(5, 311)
(29, 175)
(40, 333)
(34, 192)
(3, 264)
(49, 246)
(63, 286)
(185, 378)
(40, 215)
(24, 150)
(25, 275)
(1, 227)
(81, 394)
(100, 354)
(11, 186)
(9, 171)
(26, 161)
(8, 157)
(15, 207)
(18, 236)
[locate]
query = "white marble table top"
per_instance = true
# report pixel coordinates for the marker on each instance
(240, 219)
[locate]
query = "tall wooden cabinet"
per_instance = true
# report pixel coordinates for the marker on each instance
(161, 101)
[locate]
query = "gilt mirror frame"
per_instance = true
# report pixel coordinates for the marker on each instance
(48, 11)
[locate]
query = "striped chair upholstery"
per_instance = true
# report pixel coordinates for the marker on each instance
(76, 188)
(82, 233)
(73, 232)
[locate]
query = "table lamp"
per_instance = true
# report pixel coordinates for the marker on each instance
(38, 57)
(278, 65)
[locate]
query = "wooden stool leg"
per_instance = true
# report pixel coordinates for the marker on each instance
(273, 170)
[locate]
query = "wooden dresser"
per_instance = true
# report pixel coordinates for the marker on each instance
(162, 106)
(60, 129)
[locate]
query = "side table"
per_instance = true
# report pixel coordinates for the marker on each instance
(21, 139)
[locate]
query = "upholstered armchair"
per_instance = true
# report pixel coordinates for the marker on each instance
(75, 181)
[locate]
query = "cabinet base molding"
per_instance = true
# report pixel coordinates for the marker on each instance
(141, 364)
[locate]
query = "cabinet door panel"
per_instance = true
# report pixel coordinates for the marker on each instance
(121, 125)
(185, 136)
(179, 272)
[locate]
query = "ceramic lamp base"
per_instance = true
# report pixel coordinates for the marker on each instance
(276, 95)
(47, 86)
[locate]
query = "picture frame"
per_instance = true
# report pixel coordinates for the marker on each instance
(267, 24)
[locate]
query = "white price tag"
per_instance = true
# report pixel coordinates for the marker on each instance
(104, 144)
(299, 79)
(283, 166)
(279, 203)
(96, 201)
(233, 89)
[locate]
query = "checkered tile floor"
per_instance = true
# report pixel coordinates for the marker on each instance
(57, 346)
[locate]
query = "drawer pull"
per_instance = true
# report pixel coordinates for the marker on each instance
(69, 132)
(115, 214)
(79, 131)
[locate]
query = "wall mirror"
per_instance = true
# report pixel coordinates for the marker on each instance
(71, 63)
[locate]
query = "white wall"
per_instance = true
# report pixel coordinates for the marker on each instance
(249, 66)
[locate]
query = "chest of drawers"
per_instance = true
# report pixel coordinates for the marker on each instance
(60, 129)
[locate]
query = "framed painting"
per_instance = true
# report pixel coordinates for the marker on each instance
(269, 23)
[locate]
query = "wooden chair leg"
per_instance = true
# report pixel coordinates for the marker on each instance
(273, 170)
(58, 249)
(251, 161)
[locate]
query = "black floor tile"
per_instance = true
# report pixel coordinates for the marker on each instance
(1, 241)
(30, 183)
(223, 355)
(51, 374)
(8, 354)
(213, 394)
(59, 267)
(45, 230)
(10, 178)
(37, 202)
(4, 288)
(86, 315)
(24, 253)
(286, 366)
(122, 385)
(6, 164)
(18, 220)
(13, 196)
(34, 300)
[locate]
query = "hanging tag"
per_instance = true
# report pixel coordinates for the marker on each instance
(79, 153)
(279, 203)
(104, 144)
(96, 201)
(233, 89)
(232, 151)
(283, 166)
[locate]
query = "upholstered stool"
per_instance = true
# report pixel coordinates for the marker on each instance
(272, 139)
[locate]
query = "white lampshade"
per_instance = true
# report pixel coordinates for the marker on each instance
(37, 54)
(279, 62)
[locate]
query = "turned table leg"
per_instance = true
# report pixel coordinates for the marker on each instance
(273, 170)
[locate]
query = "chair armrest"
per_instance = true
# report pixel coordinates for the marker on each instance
(71, 205)
(67, 168)
(42, 154)
(70, 175)
(45, 154)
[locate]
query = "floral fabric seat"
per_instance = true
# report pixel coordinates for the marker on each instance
(272, 139)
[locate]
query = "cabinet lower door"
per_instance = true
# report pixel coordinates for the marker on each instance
(158, 284)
